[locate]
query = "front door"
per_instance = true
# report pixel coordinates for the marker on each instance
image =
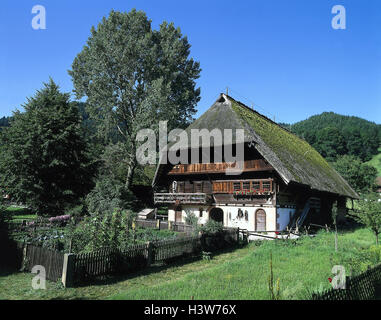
(260, 220)
(178, 216)
(217, 214)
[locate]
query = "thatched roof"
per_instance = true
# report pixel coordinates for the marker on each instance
(292, 157)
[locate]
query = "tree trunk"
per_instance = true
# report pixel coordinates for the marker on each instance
(130, 173)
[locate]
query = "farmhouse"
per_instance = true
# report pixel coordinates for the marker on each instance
(284, 182)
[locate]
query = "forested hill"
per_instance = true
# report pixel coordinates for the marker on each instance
(4, 121)
(333, 135)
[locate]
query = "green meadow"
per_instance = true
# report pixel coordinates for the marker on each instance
(302, 266)
(376, 162)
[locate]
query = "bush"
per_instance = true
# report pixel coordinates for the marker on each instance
(98, 231)
(109, 195)
(211, 227)
(191, 218)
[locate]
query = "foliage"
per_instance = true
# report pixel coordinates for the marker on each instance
(191, 218)
(51, 237)
(148, 234)
(210, 227)
(4, 216)
(4, 122)
(274, 292)
(138, 76)
(44, 162)
(110, 229)
(301, 268)
(369, 213)
(239, 274)
(360, 176)
(376, 162)
(333, 134)
(108, 195)
(330, 143)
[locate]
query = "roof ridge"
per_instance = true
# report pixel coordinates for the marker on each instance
(263, 116)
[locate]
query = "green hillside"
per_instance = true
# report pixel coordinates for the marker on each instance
(376, 162)
(333, 135)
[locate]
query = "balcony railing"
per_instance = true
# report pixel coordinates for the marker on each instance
(220, 167)
(181, 198)
(244, 187)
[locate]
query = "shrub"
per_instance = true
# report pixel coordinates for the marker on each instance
(109, 195)
(211, 227)
(191, 218)
(102, 230)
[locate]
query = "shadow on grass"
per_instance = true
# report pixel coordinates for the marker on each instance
(156, 268)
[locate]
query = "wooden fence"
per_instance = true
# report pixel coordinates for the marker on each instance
(165, 225)
(360, 287)
(166, 250)
(51, 260)
(75, 269)
(88, 266)
(148, 223)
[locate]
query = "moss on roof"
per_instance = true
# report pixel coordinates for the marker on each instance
(292, 157)
(303, 162)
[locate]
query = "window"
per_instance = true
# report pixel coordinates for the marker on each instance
(198, 187)
(180, 186)
(246, 186)
(266, 186)
(237, 186)
(256, 186)
(201, 212)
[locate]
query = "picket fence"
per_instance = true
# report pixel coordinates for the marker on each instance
(76, 269)
(51, 260)
(360, 287)
(163, 225)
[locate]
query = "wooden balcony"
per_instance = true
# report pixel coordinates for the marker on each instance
(181, 198)
(244, 187)
(219, 167)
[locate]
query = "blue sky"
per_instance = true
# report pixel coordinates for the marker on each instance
(282, 55)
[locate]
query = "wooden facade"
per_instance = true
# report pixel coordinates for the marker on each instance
(278, 186)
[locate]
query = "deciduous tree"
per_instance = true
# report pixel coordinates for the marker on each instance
(369, 213)
(134, 76)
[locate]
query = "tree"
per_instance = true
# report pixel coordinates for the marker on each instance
(134, 76)
(109, 195)
(369, 213)
(44, 163)
(360, 176)
(361, 137)
(330, 143)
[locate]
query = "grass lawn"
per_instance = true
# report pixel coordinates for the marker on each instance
(376, 162)
(302, 266)
(19, 214)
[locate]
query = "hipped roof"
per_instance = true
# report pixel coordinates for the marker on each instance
(292, 157)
